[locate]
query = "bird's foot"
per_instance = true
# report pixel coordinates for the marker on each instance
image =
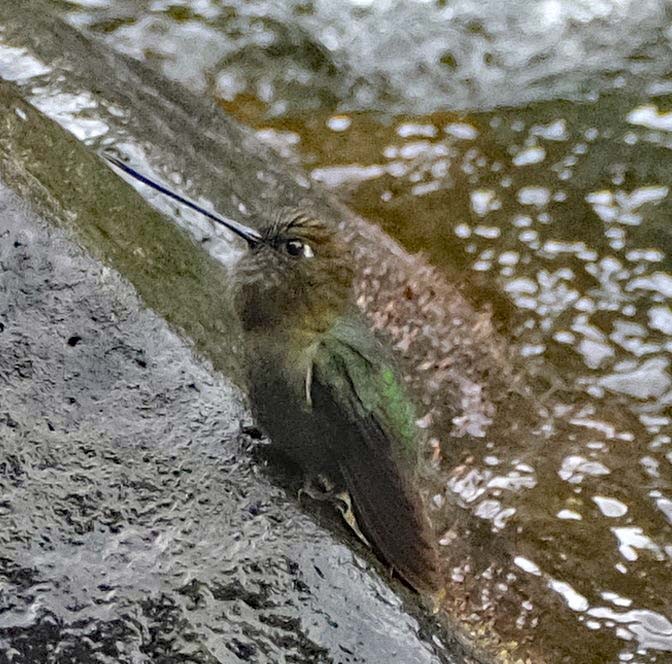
(317, 487)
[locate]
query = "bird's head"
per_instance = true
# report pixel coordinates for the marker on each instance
(296, 277)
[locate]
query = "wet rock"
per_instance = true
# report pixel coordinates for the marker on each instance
(135, 523)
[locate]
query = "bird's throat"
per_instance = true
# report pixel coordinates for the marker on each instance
(283, 357)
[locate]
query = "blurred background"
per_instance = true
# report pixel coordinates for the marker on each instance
(525, 148)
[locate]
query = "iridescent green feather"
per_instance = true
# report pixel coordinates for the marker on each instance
(399, 408)
(357, 366)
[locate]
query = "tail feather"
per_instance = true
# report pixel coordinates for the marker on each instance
(392, 518)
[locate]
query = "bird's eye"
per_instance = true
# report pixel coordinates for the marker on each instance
(298, 248)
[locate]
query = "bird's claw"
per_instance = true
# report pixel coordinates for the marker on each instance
(318, 487)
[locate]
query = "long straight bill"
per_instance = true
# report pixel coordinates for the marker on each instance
(248, 234)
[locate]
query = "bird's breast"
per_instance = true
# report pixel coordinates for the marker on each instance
(282, 410)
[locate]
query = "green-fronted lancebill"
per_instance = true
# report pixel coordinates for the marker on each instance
(322, 386)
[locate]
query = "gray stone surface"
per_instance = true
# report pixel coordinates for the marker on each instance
(136, 523)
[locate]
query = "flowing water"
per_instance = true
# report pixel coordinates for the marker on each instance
(525, 149)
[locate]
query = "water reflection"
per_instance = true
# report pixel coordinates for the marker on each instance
(392, 55)
(17, 64)
(547, 209)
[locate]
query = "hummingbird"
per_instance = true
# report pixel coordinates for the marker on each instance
(322, 385)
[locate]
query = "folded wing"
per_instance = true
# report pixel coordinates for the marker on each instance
(374, 438)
